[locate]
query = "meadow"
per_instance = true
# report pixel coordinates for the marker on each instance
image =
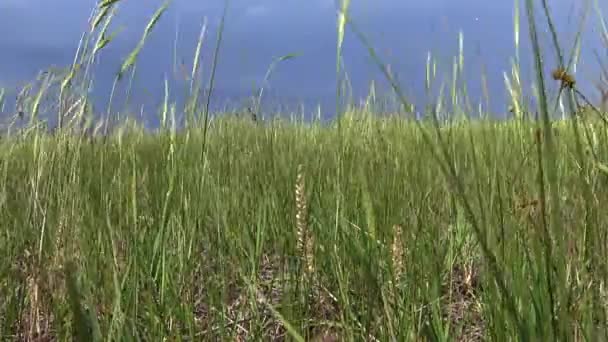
(367, 228)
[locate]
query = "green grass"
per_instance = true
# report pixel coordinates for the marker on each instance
(166, 244)
(371, 228)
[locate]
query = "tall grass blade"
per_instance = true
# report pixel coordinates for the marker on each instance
(194, 79)
(85, 326)
(341, 23)
(2, 99)
(271, 68)
(131, 59)
(216, 53)
(554, 227)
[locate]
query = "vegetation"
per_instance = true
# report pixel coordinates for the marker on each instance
(367, 229)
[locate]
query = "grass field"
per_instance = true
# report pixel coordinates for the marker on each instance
(368, 228)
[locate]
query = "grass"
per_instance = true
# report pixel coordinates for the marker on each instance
(159, 236)
(372, 228)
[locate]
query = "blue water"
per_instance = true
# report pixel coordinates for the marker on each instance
(35, 34)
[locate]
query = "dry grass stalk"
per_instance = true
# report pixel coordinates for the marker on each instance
(464, 306)
(324, 304)
(36, 322)
(43, 284)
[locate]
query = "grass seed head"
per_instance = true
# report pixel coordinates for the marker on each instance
(397, 252)
(560, 74)
(305, 243)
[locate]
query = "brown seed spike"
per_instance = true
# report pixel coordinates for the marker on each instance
(560, 74)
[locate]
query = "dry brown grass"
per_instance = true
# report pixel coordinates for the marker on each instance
(462, 302)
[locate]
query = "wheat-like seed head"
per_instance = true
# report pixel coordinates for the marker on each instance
(309, 253)
(301, 209)
(397, 252)
(305, 243)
